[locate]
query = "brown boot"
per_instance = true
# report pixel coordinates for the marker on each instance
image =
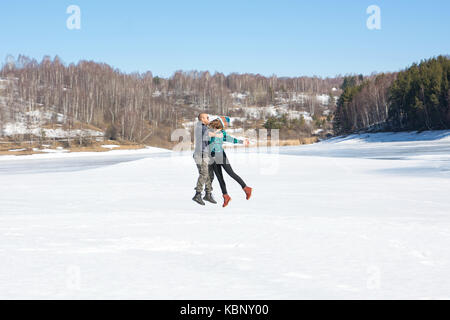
(248, 192)
(226, 200)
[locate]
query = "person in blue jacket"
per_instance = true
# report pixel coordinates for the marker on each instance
(220, 160)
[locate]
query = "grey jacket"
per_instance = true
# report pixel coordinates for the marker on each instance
(201, 139)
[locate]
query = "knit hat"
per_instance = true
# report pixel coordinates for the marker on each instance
(225, 121)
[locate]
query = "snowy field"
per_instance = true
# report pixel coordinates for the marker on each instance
(357, 218)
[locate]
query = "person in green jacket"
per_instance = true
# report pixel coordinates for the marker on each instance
(220, 160)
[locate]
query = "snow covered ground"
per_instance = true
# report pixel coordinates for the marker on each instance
(356, 217)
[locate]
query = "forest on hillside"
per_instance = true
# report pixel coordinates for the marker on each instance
(137, 107)
(144, 108)
(417, 98)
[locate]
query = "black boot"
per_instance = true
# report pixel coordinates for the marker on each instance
(209, 197)
(198, 198)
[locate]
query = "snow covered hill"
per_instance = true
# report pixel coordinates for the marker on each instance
(350, 218)
(33, 122)
(20, 117)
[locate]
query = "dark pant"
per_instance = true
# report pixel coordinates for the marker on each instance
(221, 161)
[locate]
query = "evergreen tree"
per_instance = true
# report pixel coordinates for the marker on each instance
(419, 98)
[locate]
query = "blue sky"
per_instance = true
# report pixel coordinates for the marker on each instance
(283, 37)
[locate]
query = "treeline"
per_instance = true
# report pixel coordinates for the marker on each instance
(414, 99)
(134, 106)
(363, 104)
(298, 128)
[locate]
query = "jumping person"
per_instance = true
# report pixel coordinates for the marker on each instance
(220, 160)
(203, 161)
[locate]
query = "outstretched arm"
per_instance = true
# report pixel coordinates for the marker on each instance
(227, 138)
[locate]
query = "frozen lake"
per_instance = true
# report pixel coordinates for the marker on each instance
(352, 218)
(12, 167)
